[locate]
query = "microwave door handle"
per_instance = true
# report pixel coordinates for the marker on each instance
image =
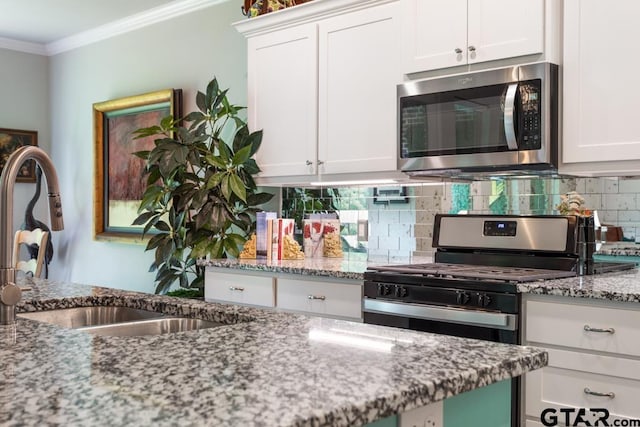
(509, 110)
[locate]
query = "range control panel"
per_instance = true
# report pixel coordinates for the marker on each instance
(500, 228)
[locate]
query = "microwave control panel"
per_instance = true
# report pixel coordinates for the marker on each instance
(530, 121)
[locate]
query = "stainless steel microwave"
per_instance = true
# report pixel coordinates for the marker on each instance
(500, 121)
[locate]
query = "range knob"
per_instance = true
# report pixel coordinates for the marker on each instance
(400, 291)
(484, 300)
(462, 297)
(383, 290)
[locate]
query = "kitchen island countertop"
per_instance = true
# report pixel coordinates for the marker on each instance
(262, 368)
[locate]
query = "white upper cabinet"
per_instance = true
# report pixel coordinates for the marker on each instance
(282, 90)
(601, 135)
(322, 80)
(359, 71)
(447, 33)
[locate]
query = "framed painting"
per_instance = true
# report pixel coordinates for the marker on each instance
(10, 141)
(119, 175)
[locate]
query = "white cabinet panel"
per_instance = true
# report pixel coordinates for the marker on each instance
(564, 325)
(359, 70)
(422, 19)
(587, 368)
(320, 297)
(504, 28)
(239, 288)
(282, 88)
(446, 33)
(322, 87)
(600, 108)
(562, 384)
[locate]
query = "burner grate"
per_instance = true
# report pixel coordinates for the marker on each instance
(477, 272)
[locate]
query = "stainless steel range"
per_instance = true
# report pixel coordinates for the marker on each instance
(471, 288)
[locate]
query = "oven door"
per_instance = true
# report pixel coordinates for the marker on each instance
(478, 324)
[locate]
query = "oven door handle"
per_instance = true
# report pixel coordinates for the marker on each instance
(443, 314)
(509, 117)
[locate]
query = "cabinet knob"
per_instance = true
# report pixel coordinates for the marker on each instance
(308, 163)
(320, 297)
(458, 50)
(472, 48)
(320, 162)
(236, 288)
(610, 394)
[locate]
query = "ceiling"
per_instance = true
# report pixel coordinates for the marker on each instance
(47, 21)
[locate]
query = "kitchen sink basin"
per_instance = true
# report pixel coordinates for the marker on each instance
(151, 327)
(118, 321)
(79, 317)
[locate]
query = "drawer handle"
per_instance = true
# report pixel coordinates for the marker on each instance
(320, 297)
(236, 288)
(610, 395)
(607, 330)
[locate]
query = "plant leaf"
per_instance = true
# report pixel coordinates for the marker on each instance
(241, 156)
(237, 186)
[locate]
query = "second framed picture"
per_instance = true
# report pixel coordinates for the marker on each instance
(120, 181)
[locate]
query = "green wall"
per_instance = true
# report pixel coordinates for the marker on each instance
(185, 52)
(24, 96)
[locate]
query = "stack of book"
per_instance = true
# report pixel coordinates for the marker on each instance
(274, 238)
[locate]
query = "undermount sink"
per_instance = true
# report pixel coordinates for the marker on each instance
(151, 327)
(118, 321)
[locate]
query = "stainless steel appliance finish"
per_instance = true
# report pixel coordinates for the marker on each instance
(444, 314)
(517, 233)
(471, 290)
(499, 122)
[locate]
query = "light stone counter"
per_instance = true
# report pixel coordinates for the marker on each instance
(621, 286)
(261, 369)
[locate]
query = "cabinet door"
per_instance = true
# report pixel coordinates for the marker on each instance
(282, 100)
(579, 380)
(500, 29)
(359, 70)
(434, 34)
(600, 95)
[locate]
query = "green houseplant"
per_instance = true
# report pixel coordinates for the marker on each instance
(201, 197)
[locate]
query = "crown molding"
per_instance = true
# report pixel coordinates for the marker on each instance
(21, 46)
(103, 32)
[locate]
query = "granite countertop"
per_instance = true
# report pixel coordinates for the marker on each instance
(340, 268)
(262, 368)
(619, 286)
(622, 286)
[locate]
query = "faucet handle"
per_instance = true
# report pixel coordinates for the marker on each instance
(10, 294)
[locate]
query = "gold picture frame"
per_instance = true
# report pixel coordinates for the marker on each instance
(119, 175)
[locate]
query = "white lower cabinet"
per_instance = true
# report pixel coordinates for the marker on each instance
(320, 297)
(240, 289)
(338, 298)
(594, 359)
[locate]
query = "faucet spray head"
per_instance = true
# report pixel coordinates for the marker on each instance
(55, 212)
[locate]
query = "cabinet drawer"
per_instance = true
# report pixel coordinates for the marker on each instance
(563, 384)
(565, 325)
(239, 289)
(325, 298)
